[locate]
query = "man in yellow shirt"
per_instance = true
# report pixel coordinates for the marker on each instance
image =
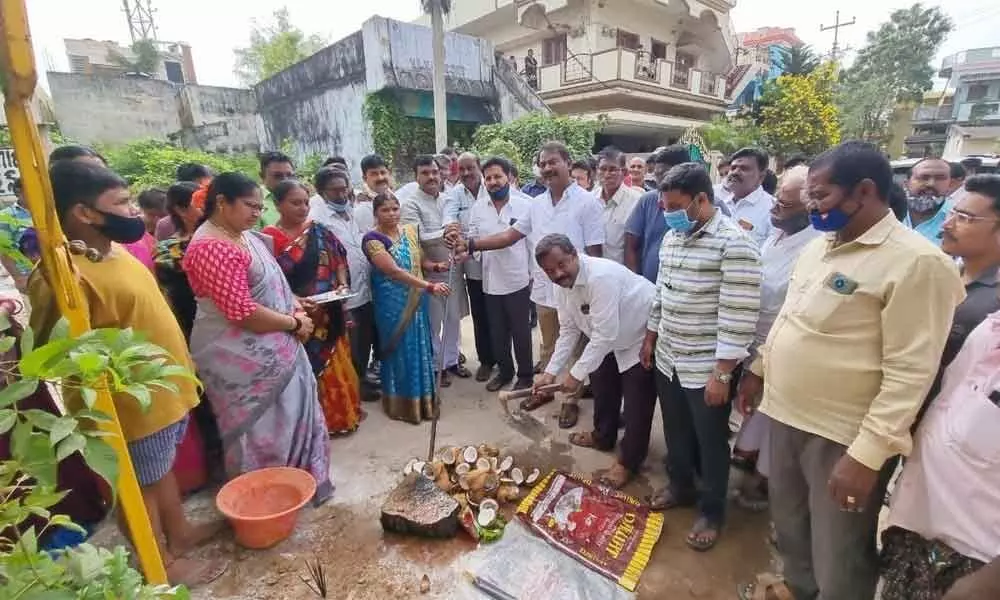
(93, 207)
(845, 369)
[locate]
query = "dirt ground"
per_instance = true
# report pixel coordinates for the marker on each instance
(361, 562)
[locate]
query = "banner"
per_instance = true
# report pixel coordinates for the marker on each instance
(9, 173)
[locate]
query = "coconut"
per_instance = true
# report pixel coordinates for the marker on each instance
(462, 469)
(483, 464)
(449, 455)
(476, 496)
(490, 503)
(470, 455)
(486, 516)
(418, 467)
(479, 479)
(509, 493)
(409, 466)
(506, 463)
(532, 477)
(517, 475)
(487, 450)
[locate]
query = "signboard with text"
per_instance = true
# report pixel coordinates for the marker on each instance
(9, 173)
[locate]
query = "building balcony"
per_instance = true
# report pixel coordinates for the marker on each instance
(978, 60)
(622, 70)
(924, 114)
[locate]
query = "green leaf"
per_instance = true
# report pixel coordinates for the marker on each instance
(74, 443)
(93, 415)
(19, 438)
(6, 342)
(101, 458)
(63, 427)
(8, 417)
(67, 523)
(89, 396)
(17, 391)
(42, 358)
(27, 341)
(60, 330)
(41, 419)
(89, 362)
(44, 498)
(141, 394)
(40, 460)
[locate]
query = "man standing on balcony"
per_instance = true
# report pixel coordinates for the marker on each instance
(750, 206)
(617, 199)
(531, 69)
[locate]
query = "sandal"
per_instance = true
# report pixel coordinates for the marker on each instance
(665, 499)
(703, 535)
(538, 400)
(586, 439)
(766, 587)
(616, 477)
(569, 414)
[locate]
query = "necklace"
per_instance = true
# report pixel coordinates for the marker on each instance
(80, 248)
(292, 233)
(226, 232)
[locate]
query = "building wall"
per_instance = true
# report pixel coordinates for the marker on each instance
(963, 110)
(93, 109)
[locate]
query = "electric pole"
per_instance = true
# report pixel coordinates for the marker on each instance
(140, 19)
(837, 25)
(440, 99)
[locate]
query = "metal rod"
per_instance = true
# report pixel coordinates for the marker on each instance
(436, 400)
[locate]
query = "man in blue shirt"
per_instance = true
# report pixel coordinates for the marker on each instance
(14, 228)
(645, 228)
(927, 193)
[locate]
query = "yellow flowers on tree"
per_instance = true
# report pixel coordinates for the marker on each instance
(798, 113)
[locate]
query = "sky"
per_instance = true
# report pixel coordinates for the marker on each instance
(214, 28)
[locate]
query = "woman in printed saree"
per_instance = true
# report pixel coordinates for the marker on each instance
(315, 262)
(246, 341)
(398, 293)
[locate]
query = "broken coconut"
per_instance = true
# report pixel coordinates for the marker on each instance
(409, 466)
(449, 455)
(517, 476)
(470, 455)
(483, 464)
(417, 507)
(486, 516)
(480, 479)
(487, 451)
(506, 463)
(509, 493)
(532, 477)
(462, 469)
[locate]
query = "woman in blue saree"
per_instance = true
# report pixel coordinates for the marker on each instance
(398, 293)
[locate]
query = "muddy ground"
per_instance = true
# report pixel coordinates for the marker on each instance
(361, 562)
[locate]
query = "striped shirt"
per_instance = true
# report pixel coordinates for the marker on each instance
(707, 300)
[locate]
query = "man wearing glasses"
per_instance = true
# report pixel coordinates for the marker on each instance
(617, 199)
(275, 167)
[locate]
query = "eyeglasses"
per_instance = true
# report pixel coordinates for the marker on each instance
(968, 218)
(253, 206)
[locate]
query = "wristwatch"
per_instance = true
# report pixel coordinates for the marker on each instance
(723, 377)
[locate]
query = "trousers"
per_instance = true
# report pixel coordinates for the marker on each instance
(509, 324)
(637, 388)
(480, 322)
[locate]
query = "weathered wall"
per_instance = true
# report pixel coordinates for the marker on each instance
(218, 119)
(92, 109)
(317, 103)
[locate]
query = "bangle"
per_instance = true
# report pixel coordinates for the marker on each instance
(471, 244)
(429, 287)
(298, 324)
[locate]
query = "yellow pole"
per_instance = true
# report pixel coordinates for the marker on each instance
(17, 69)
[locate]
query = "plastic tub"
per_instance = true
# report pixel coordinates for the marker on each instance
(262, 506)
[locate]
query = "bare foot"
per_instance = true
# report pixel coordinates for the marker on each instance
(192, 573)
(197, 535)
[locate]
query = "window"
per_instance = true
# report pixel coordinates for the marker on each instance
(554, 50)
(659, 50)
(977, 91)
(175, 73)
(628, 40)
(79, 63)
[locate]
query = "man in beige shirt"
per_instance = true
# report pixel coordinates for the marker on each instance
(845, 368)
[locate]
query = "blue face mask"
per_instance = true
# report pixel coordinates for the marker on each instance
(833, 220)
(499, 194)
(678, 220)
(339, 207)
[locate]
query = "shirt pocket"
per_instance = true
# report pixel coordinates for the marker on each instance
(828, 311)
(973, 425)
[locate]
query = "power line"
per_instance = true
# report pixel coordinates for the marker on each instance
(836, 27)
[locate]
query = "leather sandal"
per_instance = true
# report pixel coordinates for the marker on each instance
(569, 414)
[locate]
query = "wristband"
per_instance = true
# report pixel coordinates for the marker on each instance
(298, 324)
(471, 244)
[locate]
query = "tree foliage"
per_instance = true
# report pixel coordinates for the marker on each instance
(727, 135)
(799, 114)
(145, 58)
(798, 60)
(149, 163)
(527, 134)
(274, 46)
(893, 66)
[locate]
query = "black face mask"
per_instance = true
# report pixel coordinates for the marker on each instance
(124, 230)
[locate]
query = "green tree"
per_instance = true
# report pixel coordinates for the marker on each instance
(798, 60)
(148, 163)
(145, 58)
(528, 133)
(798, 113)
(893, 66)
(274, 46)
(727, 135)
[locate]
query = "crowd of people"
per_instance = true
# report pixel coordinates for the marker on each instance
(845, 320)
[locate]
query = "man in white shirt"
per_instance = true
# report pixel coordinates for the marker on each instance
(790, 218)
(606, 302)
(564, 208)
(332, 208)
(425, 209)
(506, 274)
(458, 209)
(750, 206)
(376, 179)
(617, 199)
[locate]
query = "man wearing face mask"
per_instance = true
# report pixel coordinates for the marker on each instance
(927, 190)
(849, 361)
(458, 209)
(536, 187)
(700, 325)
(506, 275)
(425, 209)
(331, 206)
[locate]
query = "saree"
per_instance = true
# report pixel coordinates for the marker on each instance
(403, 330)
(261, 386)
(310, 263)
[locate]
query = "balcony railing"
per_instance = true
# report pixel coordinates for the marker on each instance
(934, 113)
(622, 64)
